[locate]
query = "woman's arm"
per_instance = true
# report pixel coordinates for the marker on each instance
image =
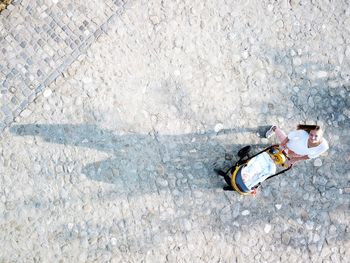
(293, 160)
(284, 142)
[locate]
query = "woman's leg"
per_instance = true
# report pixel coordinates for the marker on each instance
(281, 136)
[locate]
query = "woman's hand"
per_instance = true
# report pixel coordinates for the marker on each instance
(293, 160)
(254, 192)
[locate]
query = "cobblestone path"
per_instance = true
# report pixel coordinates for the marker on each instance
(39, 40)
(113, 162)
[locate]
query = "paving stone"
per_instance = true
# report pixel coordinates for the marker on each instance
(25, 113)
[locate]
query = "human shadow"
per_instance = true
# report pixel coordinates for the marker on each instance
(147, 162)
(141, 165)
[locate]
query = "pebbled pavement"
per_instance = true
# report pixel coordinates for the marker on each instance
(39, 40)
(114, 162)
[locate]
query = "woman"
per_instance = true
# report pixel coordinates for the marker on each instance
(305, 143)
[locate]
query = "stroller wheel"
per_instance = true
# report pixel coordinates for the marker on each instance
(244, 152)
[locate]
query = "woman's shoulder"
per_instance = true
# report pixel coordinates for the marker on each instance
(297, 133)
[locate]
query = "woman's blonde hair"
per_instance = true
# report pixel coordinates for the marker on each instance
(308, 128)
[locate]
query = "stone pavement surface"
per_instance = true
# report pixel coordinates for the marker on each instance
(114, 163)
(39, 40)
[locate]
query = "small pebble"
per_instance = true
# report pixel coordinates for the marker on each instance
(267, 228)
(322, 74)
(318, 162)
(218, 127)
(47, 93)
(245, 212)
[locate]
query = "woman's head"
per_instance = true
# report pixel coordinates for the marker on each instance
(315, 132)
(315, 135)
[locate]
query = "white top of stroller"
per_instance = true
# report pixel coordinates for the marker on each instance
(258, 169)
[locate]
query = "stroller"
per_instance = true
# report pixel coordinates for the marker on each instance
(247, 174)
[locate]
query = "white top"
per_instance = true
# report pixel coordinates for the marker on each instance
(258, 169)
(298, 144)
